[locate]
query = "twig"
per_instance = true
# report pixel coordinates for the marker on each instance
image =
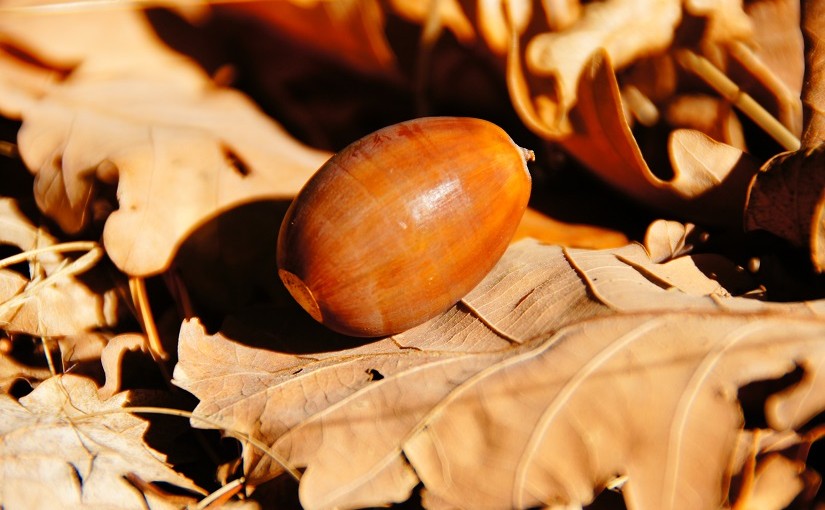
(137, 286)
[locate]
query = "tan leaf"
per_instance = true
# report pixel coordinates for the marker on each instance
(52, 302)
(786, 198)
(449, 14)
(180, 153)
(712, 116)
(22, 83)
(778, 41)
(544, 228)
(776, 484)
(710, 178)
(666, 240)
(63, 447)
(111, 357)
(623, 29)
(179, 149)
(593, 338)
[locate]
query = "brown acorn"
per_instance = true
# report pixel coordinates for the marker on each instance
(401, 224)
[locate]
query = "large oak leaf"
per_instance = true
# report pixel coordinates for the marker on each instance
(562, 371)
(179, 148)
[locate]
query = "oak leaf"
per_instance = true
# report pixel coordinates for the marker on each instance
(179, 148)
(50, 301)
(63, 447)
(596, 364)
(786, 197)
(710, 178)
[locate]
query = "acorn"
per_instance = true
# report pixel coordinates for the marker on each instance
(400, 225)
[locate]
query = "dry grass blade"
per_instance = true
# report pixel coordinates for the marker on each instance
(67, 268)
(137, 287)
(703, 68)
(31, 255)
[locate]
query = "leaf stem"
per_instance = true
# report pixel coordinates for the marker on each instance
(137, 286)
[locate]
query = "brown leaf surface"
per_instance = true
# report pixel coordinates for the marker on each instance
(710, 178)
(786, 198)
(623, 29)
(666, 240)
(588, 353)
(179, 148)
(63, 447)
(53, 302)
(179, 152)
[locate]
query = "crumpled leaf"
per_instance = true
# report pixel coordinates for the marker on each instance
(776, 483)
(786, 197)
(56, 452)
(710, 178)
(53, 302)
(179, 149)
(551, 411)
(666, 240)
(179, 152)
(623, 29)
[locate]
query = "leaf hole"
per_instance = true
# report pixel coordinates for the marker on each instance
(752, 396)
(235, 161)
(374, 374)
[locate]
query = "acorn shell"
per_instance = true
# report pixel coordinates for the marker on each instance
(401, 224)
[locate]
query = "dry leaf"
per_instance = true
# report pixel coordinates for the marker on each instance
(623, 29)
(710, 178)
(111, 357)
(778, 40)
(179, 149)
(349, 31)
(537, 226)
(180, 153)
(595, 337)
(786, 198)
(712, 116)
(52, 302)
(776, 484)
(57, 452)
(666, 240)
(21, 83)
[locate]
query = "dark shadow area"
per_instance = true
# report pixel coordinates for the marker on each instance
(327, 104)
(194, 452)
(752, 397)
(784, 270)
(228, 266)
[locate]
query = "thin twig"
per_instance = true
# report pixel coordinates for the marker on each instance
(221, 496)
(137, 286)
